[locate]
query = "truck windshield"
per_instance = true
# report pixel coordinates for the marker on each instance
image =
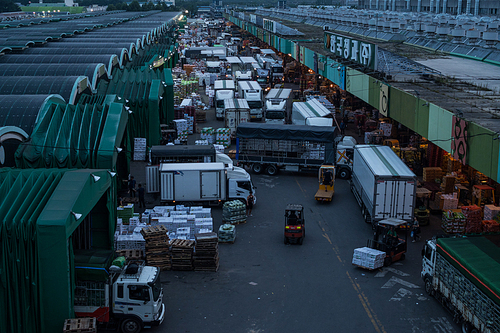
(220, 103)
(156, 287)
(254, 104)
(277, 69)
(215, 70)
(275, 115)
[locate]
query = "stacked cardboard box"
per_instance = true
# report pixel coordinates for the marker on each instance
(139, 149)
(223, 137)
(491, 212)
(473, 223)
(182, 254)
(448, 184)
(453, 221)
(430, 174)
(449, 201)
(227, 233)
(206, 253)
(181, 126)
(490, 226)
(190, 123)
(219, 148)
(125, 213)
(157, 246)
(368, 258)
(207, 133)
(386, 128)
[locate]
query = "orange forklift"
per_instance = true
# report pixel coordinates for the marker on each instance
(387, 239)
(294, 224)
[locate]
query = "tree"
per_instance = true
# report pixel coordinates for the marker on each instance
(134, 6)
(8, 6)
(111, 8)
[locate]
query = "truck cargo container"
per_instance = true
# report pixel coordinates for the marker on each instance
(203, 182)
(236, 112)
(130, 298)
(382, 184)
(252, 93)
(463, 274)
(272, 147)
(301, 111)
(278, 106)
(224, 89)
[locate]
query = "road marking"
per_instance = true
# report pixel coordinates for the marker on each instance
(383, 271)
(400, 294)
(440, 325)
(393, 280)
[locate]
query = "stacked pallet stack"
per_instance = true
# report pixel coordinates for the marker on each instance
(491, 212)
(227, 233)
(157, 246)
(206, 255)
(139, 149)
(182, 254)
(430, 174)
(490, 226)
(223, 137)
(234, 212)
(473, 223)
(453, 221)
(368, 258)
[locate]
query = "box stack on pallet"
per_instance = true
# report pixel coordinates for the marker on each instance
(453, 221)
(449, 201)
(157, 246)
(448, 184)
(207, 133)
(430, 174)
(80, 325)
(227, 233)
(368, 258)
(206, 253)
(490, 226)
(234, 212)
(181, 127)
(182, 254)
(125, 213)
(473, 223)
(190, 123)
(491, 212)
(139, 149)
(223, 137)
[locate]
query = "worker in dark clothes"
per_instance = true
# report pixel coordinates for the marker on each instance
(131, 186)
(140, 191)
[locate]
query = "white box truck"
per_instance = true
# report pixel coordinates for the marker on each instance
(236, 112)
(224, 89)
(203, 182)
(463, 274)
(278, 106)
(383, 185)
(251, 91)
(301, 111)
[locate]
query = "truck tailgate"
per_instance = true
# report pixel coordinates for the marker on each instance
(394, 198)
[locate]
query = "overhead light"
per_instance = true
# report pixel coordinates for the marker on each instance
(76, 215)
(111, 173)
(96, 178)
(118, 149)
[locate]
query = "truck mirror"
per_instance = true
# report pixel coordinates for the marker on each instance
(423, 252)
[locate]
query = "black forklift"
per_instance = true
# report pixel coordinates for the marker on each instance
(390, 236)
(295, 230)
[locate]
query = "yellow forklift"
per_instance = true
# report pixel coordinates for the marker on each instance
(326, 178)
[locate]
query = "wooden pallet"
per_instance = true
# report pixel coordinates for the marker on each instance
(131, 254)
(236, 223)
(80, 325)
(153, 231)
(182, 243)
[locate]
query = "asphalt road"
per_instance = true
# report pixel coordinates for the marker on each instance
(265, 286)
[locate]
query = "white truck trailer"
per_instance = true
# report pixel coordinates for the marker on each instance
(251, 91)
(236, 111)
(203, 182)
(130, 299)
(278, 106)
(382, 184)
(301, 111)
(224, 89)
(463, 274)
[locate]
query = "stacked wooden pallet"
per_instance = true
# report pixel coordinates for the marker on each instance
(80, 325)
(157, 246)
(206, 255)
(430, 174)
(182, 254)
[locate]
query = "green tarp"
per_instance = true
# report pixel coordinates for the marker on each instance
(36, 239)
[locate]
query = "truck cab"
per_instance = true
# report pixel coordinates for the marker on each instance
(275, 111)
(252, 93)
(239, 184)
(344, 157)
(428, 260)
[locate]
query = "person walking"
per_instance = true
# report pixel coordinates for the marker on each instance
(342, 127)
(140, 192)
(250, 200)
(131, 186)
(415, 231)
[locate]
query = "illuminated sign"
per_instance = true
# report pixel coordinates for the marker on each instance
(361, 52)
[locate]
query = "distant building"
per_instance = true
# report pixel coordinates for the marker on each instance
(453, 7)
(281, 4)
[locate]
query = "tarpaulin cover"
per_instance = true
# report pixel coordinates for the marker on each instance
(36, 226)
(478, 258)
(81, 136)
(286, 132)
(93, 265)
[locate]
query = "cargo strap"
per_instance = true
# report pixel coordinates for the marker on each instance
(384, 160)
(236, 104)
(312, 109)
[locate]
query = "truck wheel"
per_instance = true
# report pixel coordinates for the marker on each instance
(474, 330)
(257, 168)
(271, 170)
(344, 173)
(428, 286)
(466, 327)
(131, 325)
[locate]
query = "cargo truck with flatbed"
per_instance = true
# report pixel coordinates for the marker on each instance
(128, 298)
(382, 184)
(463, 274)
